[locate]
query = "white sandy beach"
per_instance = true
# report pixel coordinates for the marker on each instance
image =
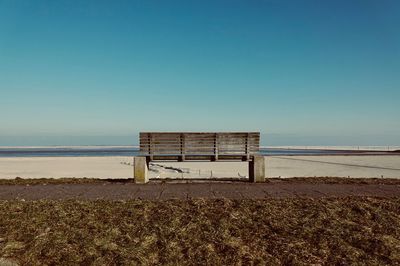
(276, 166)
(58, 167)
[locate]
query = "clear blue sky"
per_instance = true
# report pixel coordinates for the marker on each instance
(301, 72)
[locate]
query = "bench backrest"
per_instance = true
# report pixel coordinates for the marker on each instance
(200, 145)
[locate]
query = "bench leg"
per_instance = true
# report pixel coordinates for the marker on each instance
(257, 169)
(140, 170)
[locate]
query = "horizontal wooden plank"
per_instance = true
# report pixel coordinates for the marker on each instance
(199, 141)
(199, 144)
(193, 152)
(197, 153)
(199, 133)
(200, 147)
(199, 136)
(205, 135)
(193, 138)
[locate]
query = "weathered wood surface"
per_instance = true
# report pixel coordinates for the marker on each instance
(202, 145)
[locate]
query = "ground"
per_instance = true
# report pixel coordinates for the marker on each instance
(215, 232)
(359, 225)
(92, 189)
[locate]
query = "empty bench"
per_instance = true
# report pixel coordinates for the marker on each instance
(200, 146)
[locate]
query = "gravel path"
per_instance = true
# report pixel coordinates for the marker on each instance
(163, 191)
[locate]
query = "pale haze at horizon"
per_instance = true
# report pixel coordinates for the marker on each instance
(301, 72)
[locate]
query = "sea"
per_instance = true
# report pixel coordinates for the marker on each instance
(98, 151)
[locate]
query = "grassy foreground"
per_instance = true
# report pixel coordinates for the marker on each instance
(213, 232)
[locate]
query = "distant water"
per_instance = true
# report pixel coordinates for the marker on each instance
(96, 151)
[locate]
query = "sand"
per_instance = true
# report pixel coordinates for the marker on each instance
(338, 166)
(277, 166)
(57, 167)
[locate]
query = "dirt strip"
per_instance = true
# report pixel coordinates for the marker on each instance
(163, 191)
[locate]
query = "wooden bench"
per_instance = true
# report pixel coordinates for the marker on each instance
(199, 146)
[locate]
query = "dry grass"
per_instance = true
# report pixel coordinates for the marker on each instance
(214, 232)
